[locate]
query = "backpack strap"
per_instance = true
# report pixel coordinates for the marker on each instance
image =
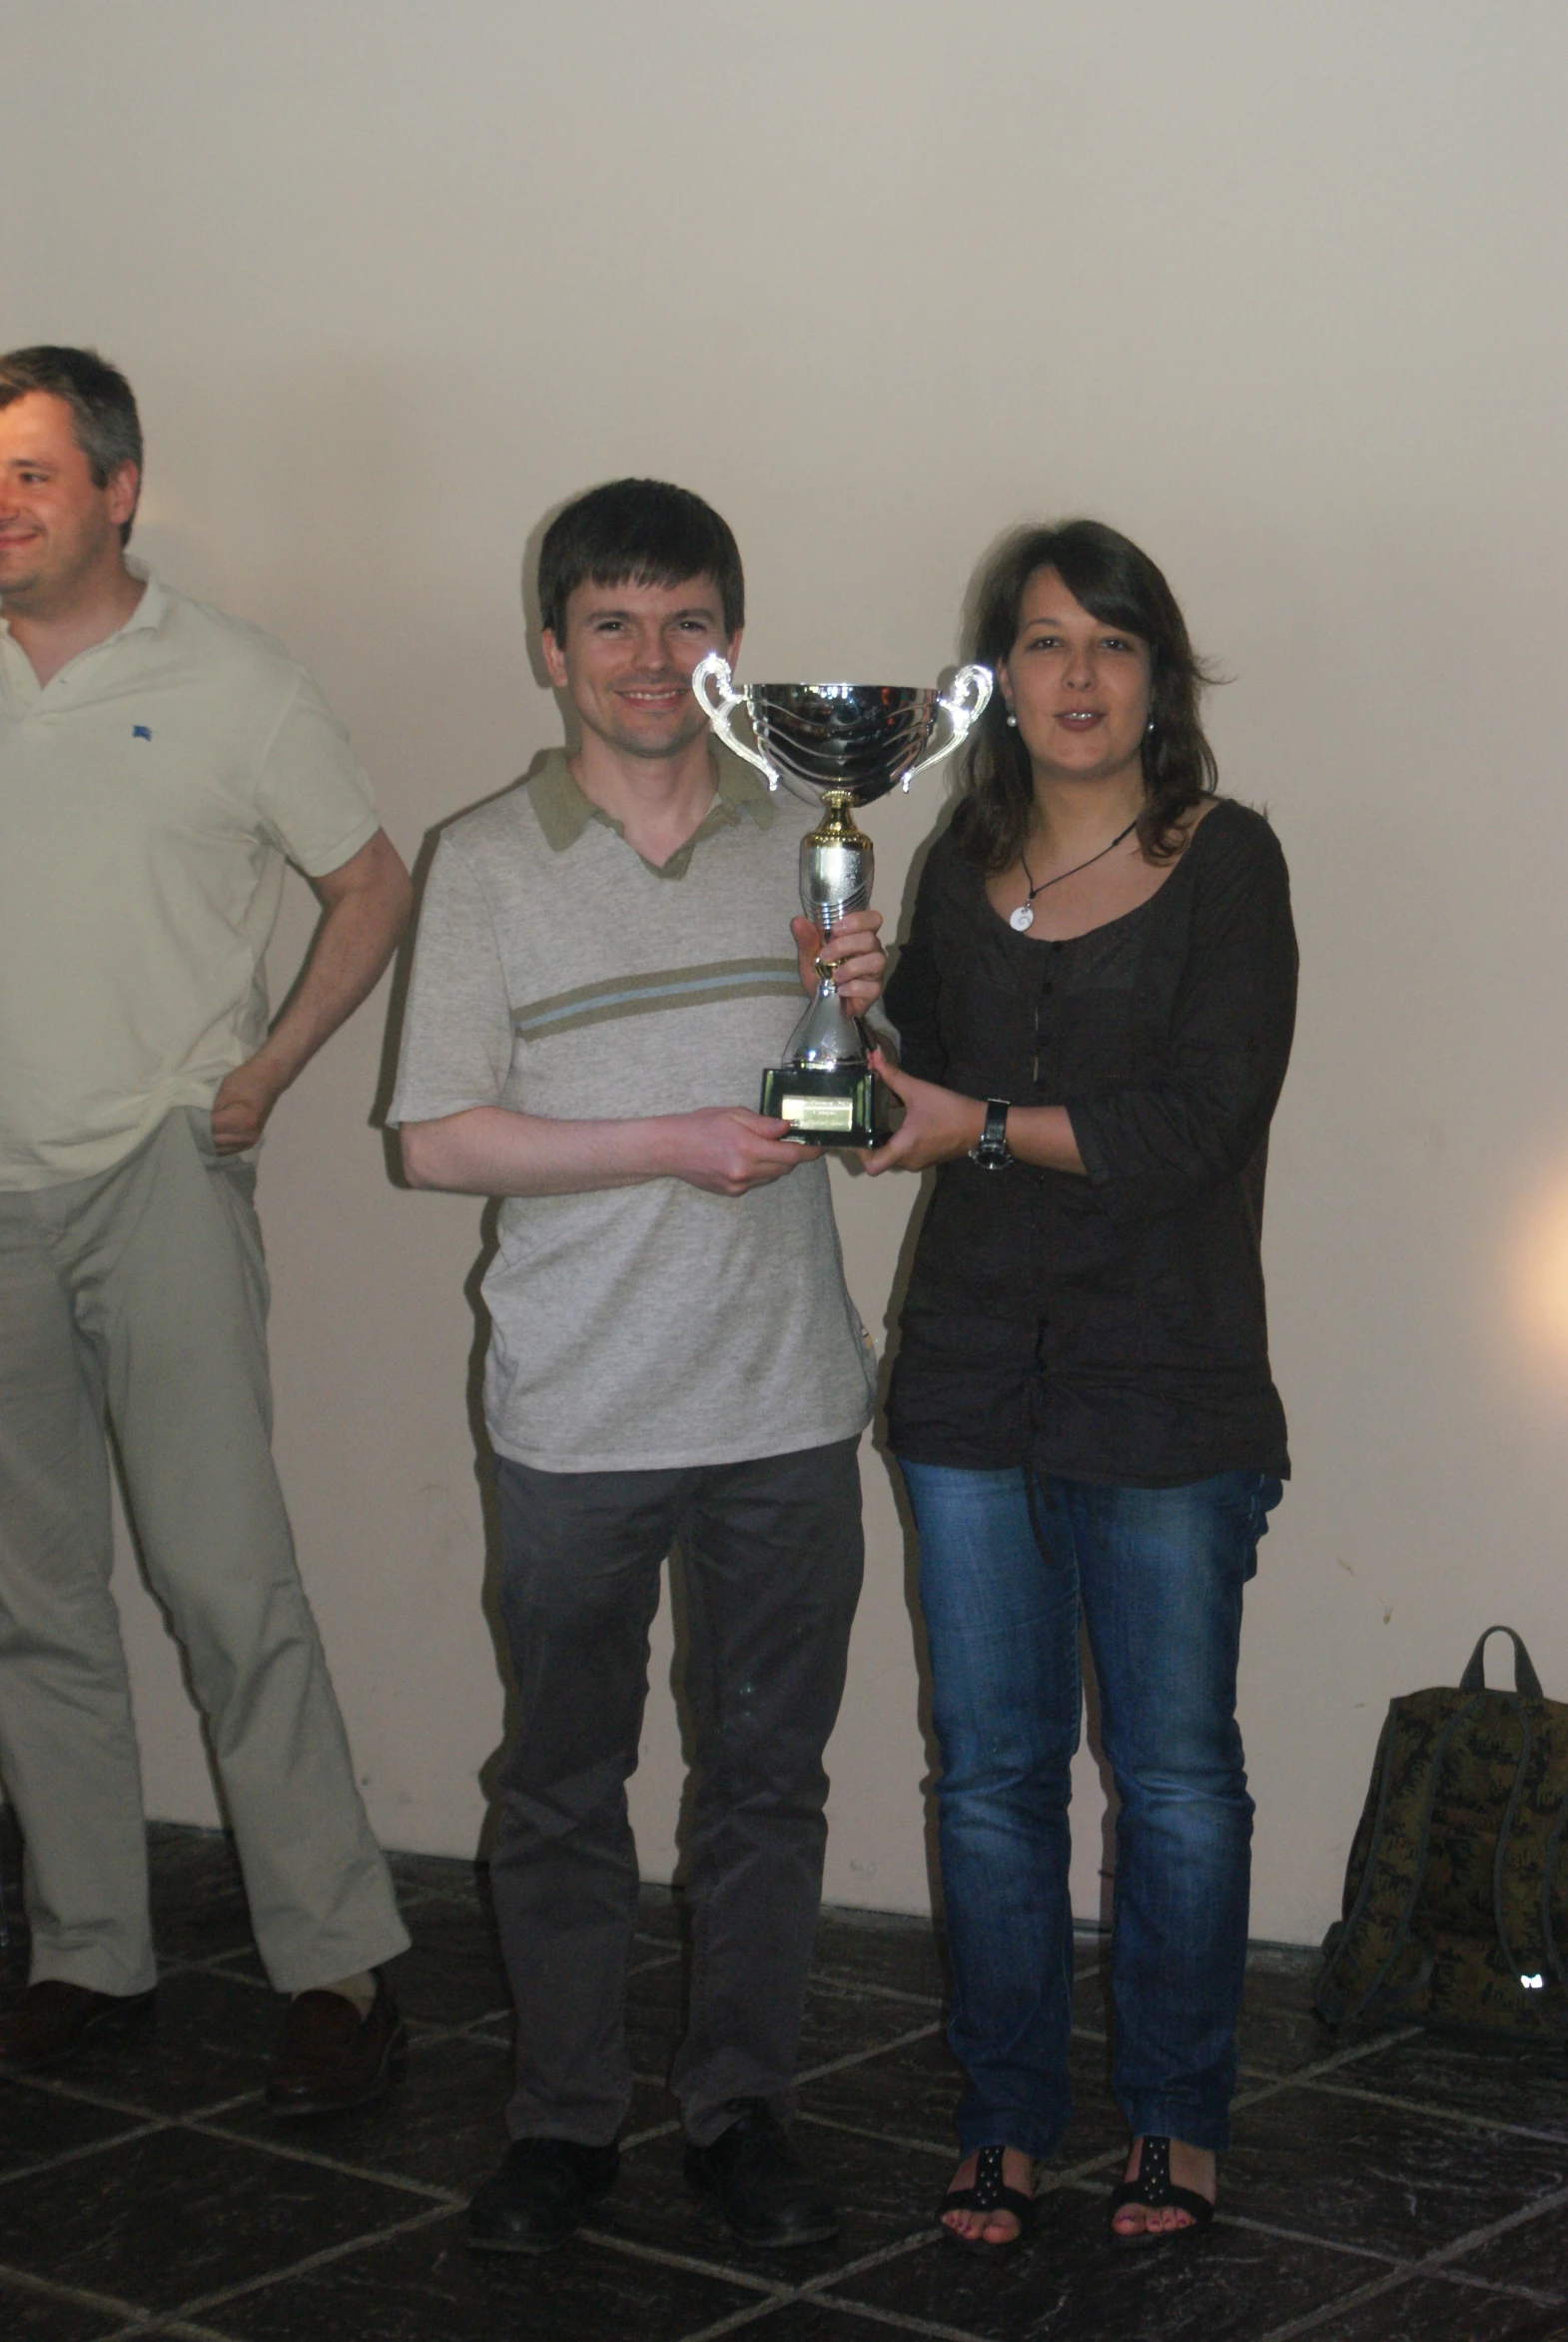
(1387, 1894)
(1525, 1680)
(1554, 1848)
(1505, 1832)
(1323, 1996)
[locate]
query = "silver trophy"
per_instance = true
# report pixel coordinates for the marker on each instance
(847, 744)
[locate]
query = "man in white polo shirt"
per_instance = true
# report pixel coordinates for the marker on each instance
(159, 763)
(605, 967)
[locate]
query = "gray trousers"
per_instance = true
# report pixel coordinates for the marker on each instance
(141, 1295)
(773, 1556)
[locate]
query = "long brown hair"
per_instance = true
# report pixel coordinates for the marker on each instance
(1119, 584)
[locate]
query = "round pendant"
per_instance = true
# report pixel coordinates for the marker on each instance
(1022, 919)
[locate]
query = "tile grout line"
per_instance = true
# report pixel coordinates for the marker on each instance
(1340, 2057)
(900, 2249)
(1432, 2264)
(776, 2290)
(844, 1987)
(890, 2138)
(156, 2325)
(424, 2033)
(51, 2289)
(1462, 2277)
(1362, 2294)
(815, 2290)
(864, 2057)
(443, 2198)
(74, 2095)
(900, 2321)
(316, 2260)
(732, 2324)
(1441, 2113)
(202, 2121)
(120, 2139)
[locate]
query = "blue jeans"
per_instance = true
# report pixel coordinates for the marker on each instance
(1159, 1574)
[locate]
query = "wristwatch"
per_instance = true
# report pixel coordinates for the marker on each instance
(990, 1149)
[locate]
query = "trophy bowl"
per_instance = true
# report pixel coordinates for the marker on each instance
(845, 745)
(858, 740)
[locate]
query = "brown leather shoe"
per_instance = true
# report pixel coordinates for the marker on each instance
(330, 2057)
(52, 2020)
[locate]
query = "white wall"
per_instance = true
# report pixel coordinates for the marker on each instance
(1278, 290)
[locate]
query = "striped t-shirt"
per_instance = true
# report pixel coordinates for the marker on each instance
(557, 973)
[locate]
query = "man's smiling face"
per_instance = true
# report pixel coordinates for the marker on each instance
(627, 656)
(59, 530)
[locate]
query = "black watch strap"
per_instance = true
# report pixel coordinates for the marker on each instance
(989, 1151)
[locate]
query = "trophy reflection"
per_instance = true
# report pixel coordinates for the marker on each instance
(847, 744)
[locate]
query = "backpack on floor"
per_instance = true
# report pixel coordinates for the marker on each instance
(1456, 1890)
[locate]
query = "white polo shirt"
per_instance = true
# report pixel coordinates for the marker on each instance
(150, 794)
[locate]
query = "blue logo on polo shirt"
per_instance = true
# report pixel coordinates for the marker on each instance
(140, 732)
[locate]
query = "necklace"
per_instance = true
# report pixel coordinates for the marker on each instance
(1023, 918)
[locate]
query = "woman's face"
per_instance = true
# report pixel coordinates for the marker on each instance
(1078, 688)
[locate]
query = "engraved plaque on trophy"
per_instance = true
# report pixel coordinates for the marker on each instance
(846, 744)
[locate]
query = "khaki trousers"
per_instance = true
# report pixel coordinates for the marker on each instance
(141, 1296)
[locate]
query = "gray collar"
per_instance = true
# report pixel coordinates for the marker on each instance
(564, 812)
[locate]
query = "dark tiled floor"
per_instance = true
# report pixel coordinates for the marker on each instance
(1398, 2187)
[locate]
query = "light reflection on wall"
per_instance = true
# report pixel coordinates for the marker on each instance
(1538, 1273)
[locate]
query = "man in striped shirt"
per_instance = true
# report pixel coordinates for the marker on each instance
(601, 973)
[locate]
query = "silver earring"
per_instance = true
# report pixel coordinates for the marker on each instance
(1013, 722)
(1148, 728)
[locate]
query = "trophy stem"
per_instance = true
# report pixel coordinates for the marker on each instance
(836, 862)
(836, 828)
(825, 1088)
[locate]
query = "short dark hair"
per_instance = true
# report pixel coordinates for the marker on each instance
(637, 532)
(103, 405)
(1116, 582)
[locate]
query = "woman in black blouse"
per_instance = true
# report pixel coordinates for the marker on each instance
(1095, 1006)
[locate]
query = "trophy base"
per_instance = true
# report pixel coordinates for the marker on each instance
(825, 1106)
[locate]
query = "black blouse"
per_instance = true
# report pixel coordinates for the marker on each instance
(1110, 1328)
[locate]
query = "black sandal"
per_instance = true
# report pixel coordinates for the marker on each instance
(987, 2195)
(1155, 2189)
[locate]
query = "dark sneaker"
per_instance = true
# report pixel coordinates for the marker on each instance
(754, 2178)
(542, 2191)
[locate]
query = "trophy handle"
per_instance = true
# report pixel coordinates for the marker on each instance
(715, 670)
(963, 707)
